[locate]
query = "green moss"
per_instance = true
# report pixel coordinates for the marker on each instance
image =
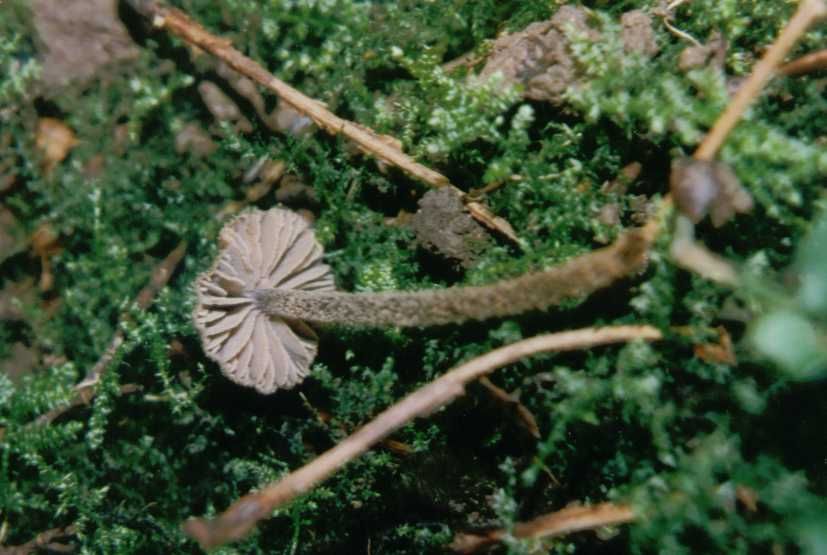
(656, 424)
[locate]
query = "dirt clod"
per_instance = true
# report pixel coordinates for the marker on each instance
(444, 227)
(637, 33)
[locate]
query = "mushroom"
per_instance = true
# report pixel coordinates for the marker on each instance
(260, 249)
(269, 281)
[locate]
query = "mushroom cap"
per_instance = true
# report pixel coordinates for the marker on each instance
(260, 249)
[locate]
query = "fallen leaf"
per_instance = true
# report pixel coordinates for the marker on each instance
(45, 245)
(55, 140)
(192, 138)
(222, 107)
(718, 353)
(700, 187)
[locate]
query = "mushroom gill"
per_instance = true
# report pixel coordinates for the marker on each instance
(260, 249)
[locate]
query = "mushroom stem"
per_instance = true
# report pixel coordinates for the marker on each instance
(534, 291)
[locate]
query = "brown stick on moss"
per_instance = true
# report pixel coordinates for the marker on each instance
(240, 518)
(178, 23)
(367, 140)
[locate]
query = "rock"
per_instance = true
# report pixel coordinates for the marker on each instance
(77, 38)
(192, 138)
(539, 58)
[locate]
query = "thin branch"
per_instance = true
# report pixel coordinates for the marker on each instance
(240, 518)
(815, 61)
(559, 523)
(180, 24)
(692, 255)
(809, 12)
(157, 281)
(82, 397)
(43, 541)
(524, 415)
(367, 140)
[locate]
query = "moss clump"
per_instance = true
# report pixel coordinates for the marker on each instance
(691, 439)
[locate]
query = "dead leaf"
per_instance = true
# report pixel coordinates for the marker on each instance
(192, 138)
(222, 107)
(398, 447)
(55, 140)
(748, 497)
(701, 187)
(718, 353)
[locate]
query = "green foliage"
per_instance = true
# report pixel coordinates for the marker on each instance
(791, 332)
(685, 438)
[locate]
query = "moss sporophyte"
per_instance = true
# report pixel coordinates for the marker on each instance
(269, 283)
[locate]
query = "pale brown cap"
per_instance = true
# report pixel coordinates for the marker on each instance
(260, 249)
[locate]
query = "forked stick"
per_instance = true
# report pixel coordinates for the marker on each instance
(808, 13)
(240, 518)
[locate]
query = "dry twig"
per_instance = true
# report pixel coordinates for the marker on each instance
(367, 140)
(685, 251)
(808, 13)
(815, 61)
(565, 521)
(524, 415)
(240, 518)
(180, 24)
(44, 541)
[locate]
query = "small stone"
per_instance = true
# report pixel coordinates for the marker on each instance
(193, 139)
(77, 39)
(538, 57)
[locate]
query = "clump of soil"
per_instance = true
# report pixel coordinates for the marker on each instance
(539, 57)
(444, 227)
